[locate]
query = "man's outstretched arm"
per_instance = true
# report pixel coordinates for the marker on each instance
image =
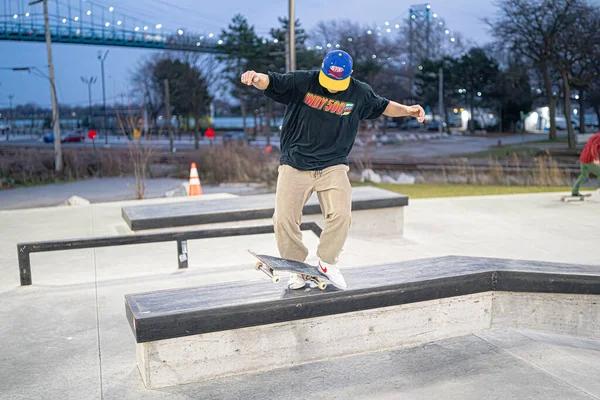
(258, 80)
(400, 110)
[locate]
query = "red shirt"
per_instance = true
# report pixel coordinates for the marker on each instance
(591, 150)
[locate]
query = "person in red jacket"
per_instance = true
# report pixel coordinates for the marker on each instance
(589, 162)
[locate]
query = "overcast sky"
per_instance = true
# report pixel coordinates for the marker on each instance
(74, 61)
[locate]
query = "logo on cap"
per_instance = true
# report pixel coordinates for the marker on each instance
(336, 72)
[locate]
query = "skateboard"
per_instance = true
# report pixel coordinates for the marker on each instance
(581, 197)
(269, 265)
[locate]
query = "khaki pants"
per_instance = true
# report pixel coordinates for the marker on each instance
(294, 188)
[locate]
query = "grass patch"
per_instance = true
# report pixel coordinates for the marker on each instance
(425, 191)
(547, 141)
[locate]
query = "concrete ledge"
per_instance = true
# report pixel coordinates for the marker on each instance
(192, 334)
(199, 357)
(185, 312)
(207, 356)
(244, 208)
(175, 313)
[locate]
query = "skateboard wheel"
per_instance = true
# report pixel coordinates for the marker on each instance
(322, 285)
(257, 265)
(275, 279)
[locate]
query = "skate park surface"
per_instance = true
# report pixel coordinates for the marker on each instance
(66, 336)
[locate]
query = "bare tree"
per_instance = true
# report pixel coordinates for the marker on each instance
(430, 39)
(144, 88)
(576, 52)
(594, 97)
(212, 70)
(140, 152)
(530, 29)
(371, 53)
(585, 71)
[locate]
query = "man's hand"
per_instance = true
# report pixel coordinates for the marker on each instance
(417, 112)
(253, 78)
(597, 162)
(400, 110)
(249, 77)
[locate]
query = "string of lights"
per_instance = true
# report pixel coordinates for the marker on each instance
(118, 20)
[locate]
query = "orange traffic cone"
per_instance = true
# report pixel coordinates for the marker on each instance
(195, 186)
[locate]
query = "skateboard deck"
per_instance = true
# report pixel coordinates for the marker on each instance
(269, 265)
(581, 197)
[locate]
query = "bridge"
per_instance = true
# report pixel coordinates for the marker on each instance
(93, 23)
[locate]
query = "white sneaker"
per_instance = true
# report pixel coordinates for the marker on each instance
(332, 272)
(296, 282)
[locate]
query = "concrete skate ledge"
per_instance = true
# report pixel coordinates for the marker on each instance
(189, 335)
(182, 312)
(244, 208)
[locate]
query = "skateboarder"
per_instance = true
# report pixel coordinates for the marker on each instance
(324, 108)
(588, 162)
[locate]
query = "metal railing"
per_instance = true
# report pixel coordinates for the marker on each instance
(181, 237)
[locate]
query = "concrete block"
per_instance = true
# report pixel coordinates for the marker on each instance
(387, 179)
(405, 179)
(194, 358)
(201, 357)
(376, 224)
(385, 223)
(77, 201)
(179, 191)
(368, 175)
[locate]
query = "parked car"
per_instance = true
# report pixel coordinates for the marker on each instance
(73, 137)
(412, 125)
(561, 123)
(67, 137)
(435, 126)
(4, 127)
(232, 136)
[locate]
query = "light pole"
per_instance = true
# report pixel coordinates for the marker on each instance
(102, 57)
(58, 163)
(440, 76)
(441, 99)
(89, 82)
(10, 115)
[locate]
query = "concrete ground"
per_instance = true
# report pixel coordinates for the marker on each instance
(102, 190)
(66, 336)
(506, 364)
